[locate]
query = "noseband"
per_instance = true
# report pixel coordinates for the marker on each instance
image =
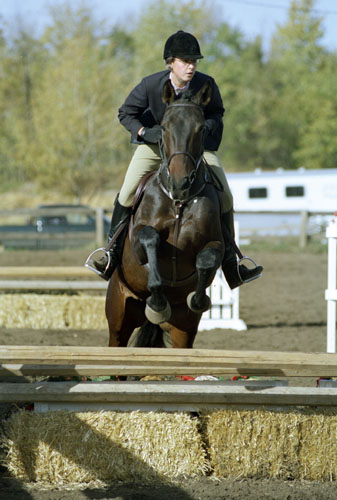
(166, 161)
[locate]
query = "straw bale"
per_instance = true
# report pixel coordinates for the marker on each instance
(299, 444)
(52, 311)
(63, 448)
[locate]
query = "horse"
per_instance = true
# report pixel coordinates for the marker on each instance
(174, 243)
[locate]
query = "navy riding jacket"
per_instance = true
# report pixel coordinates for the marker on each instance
(144, 106)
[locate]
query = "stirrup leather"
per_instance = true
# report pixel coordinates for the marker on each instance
(89, 262)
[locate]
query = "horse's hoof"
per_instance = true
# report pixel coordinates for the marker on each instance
(205, 307)
(157, 317)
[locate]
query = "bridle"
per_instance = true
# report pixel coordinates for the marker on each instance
(164, 170)
(179, 204)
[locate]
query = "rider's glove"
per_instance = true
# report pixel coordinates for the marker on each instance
(151, 135)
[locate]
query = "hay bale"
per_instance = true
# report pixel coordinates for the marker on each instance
(63, 448)
(85, 313)
(299, 444)
(52, 311)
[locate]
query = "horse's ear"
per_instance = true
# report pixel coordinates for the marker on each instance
(168, 93)
(204, 95)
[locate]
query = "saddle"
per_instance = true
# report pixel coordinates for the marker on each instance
(135, 204)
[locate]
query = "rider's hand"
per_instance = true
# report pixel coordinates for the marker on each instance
(151, 135)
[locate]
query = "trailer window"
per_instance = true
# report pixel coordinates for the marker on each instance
(258, 192)
(293, 191)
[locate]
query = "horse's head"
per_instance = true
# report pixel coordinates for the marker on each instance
(183, 135)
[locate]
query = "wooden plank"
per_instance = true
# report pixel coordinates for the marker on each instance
(31, 370)
(45, 272)
(23, 279)
(52, 285)
(124, 370)
(199, 394)
(177, 361)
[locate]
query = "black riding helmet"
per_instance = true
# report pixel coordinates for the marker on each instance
(183, 45)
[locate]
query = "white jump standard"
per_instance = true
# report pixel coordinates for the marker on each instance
(331, 292)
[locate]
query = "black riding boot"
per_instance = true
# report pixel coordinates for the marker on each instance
(105, 265)
(236, 274)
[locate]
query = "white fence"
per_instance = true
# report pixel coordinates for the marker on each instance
(225, 307)
(331, 292)
(225, 303)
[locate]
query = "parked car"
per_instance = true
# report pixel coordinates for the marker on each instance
(56, 226)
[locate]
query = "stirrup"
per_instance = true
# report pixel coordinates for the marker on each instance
(245, 257)
(89, 262)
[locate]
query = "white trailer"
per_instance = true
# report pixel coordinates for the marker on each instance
(285, 190)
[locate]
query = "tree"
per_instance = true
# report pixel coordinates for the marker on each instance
(77, 139)
(20, 64)
(296, 66)
(60, 92)
(317, 144)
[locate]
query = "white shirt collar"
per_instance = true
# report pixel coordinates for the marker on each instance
(179, 90)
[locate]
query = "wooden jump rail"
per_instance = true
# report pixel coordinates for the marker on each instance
(79, 361)
(166, 395)
(45, 272)
(69, 278)
(150, 361)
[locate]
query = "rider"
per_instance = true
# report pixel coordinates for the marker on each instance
(141, 114)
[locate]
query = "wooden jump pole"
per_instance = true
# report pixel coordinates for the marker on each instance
(45, 272)
(185, 396)
(21, 278)
(93, 285)
(156, 361)
(175, 395)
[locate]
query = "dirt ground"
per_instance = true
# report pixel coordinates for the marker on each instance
(285, 310)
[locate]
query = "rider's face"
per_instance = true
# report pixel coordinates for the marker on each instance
(183, 71)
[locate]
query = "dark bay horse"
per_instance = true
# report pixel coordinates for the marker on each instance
(175, 244)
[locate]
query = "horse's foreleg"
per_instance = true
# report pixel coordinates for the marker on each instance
(157, 309)
(123, 312)
(208, 261)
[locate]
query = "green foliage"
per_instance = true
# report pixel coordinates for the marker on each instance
(300, 73)
(60, 92)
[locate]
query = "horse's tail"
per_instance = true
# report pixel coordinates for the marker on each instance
(150, 335)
